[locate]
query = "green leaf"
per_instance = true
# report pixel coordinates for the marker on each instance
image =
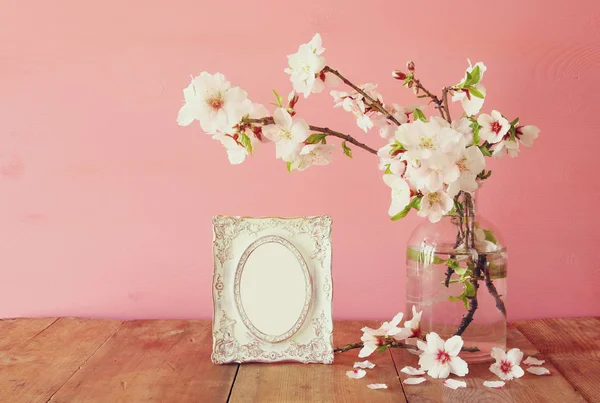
(315, 138)
(469, 289)
(246, 142)
(418, 114)
(475, 126)
(401, 214)
(347, 150)
(472, 78)
(387, 169)
(485, 151)
(418, 256)
(476, 75)
(515, 122)
(461, 271)
(414, 203)
(489, 235)
(279, 99)
(462, 298)
(476, 93)
(381, 349)
(289, 166)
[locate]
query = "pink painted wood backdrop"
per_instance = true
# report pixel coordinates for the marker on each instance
(106, 204)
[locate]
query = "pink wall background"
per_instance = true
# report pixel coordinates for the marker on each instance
(106, 204)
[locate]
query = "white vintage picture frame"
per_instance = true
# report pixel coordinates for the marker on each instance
(272, 290)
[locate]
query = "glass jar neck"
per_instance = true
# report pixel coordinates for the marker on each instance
(466, 205)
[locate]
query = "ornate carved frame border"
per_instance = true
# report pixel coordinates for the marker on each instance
(233, 341)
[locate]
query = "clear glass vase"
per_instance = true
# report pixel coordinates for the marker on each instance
(456, 275)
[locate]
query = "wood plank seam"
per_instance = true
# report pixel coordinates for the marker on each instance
(398, 375)
(233, 382)
(85, 361)
(548, 357)
(38, 333)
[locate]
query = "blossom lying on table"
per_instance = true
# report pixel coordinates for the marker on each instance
(437, 358)
(507, 366)
(427, 161)
(441, 358)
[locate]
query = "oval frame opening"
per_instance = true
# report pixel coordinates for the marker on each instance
(308, 286)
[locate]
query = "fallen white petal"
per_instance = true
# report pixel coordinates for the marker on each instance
(533, 361)
(364, 364)
(414, 381)
(356, 374)
(454, 384)
(377, 386)
(412, 371)
(538, 370)
(494, 384)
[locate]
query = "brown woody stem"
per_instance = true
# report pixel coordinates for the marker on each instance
(393, 344)
(374, 103)
(493, 291)
(445, 101)
(436, 100)
(325, 130)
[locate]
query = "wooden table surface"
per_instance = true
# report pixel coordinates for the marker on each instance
(74, 360)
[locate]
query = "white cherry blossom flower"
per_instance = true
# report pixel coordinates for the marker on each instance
(507, 366)
(434, 172)
(325, 80)
(481, 243)
(287, 134)
(434, 205)
(313, 154)
(412, 371)
(370, 344)
(235, 151)
(422, 139)
(538, 370)
(494, 384)
(364, 365)
(463, 127)
(356, 373)
(470, 103)
(454, 384)
(358, 105)
(305, 65)
(386, 160)
(526, 134)
(414, 325)
(386, 127)
(400, 193)
(377, 386)
(506, 147)
(387, 328)
(533, 361)
(414, 381)
(211, 100)
(470, 164)
(493, 127)
(441, 358)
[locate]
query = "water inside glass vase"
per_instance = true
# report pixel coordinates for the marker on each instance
(456, 275)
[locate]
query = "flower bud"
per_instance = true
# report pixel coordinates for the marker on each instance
(410, 65)
(398, 75)
(292, 100)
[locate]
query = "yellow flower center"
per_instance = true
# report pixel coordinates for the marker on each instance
(215, 102)
(426, 142)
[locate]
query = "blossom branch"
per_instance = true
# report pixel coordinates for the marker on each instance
(325, 130)
(493, 291)
(436, 100)
(393, 344)
(375, 104)
(445, 101)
